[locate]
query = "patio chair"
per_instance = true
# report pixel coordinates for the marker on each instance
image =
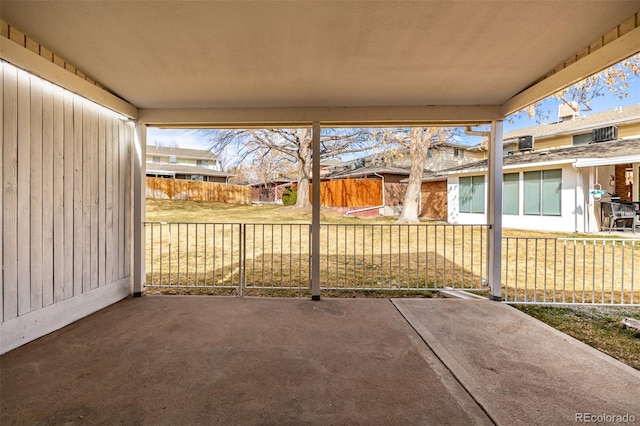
(615, 212)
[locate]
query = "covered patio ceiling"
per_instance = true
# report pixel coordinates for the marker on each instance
(186, 62)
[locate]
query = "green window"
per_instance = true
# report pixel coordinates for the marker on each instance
(508, 149)
(583, 139)
(471, 193)
(511, 194)
(543, 192)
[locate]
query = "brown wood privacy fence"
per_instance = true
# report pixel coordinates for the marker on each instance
(351, 193)
(182, 189)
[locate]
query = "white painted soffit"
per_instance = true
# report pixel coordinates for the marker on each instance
(591, 162)
(254, 56)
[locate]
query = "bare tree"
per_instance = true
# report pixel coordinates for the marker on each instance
(614, 80)
(263, 147)
(419, 141)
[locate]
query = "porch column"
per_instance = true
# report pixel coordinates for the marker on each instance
(494, 216)
(139, 202)
(594, 223)
(315, 216)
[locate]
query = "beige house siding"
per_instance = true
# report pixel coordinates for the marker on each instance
(441, 158)
(446, 158)
(625, 130)
(563, 141)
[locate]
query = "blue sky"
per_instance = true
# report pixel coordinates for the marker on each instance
(186, 139)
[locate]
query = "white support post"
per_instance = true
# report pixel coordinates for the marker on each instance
(315, 217)
(494, 216)
(139, 202)
(595, 225)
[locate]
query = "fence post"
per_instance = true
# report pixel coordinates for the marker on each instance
(309, 229)
(243, 257)
(315, 219)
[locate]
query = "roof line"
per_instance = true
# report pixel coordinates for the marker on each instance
(618, 44)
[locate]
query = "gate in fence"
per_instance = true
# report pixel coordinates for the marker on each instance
(390, 257)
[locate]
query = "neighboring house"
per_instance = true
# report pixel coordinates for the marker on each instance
(271, 191)
(444, 155)
(549, 190)
(575, 130)
(433, 191)
(393, 189)
(329, 166)
(440, 156)
(393, 169)
(182, 163)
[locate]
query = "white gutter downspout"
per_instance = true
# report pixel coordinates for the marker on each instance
(371, 208)
(470, 132)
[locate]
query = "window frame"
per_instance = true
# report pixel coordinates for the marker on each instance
(476, 188)
(537, 189)
(514, 186)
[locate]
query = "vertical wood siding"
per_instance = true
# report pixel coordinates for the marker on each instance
(65, 203)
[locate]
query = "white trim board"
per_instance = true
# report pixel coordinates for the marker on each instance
(445, 115)
(589, 162)
(31, 326)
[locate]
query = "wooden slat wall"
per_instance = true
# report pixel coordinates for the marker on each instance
(182, 189)
(1, 181)
(351, 193)
(10, 193)
(66, 199)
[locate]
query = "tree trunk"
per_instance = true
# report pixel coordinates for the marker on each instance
(420, 141)
(304, 167)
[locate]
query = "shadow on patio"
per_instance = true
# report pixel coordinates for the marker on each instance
(207, 360)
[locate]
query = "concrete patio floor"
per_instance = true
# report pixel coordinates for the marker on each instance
(224, 360)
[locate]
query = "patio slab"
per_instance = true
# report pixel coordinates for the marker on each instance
(212, 360)
(520, 370)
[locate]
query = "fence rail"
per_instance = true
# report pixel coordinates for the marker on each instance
(571, 270)
(402, 257)
(391, 257)
(193, 255)
(278, 256)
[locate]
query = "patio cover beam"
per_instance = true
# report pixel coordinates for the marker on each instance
(613, 47)
(389, 116)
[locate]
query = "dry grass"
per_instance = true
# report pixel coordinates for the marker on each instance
(202, 211)
(590, 271)
(598, 327)
(360, 254)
